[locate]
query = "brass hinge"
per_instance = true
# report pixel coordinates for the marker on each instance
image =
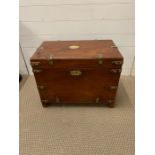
(117, 62)
(50, 60)
(100, 57)
(35, 63)
(116, 70)
(37, 70)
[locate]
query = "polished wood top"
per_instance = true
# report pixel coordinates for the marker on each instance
(83, 49)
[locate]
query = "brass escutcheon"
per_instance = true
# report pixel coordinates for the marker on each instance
(75, 73)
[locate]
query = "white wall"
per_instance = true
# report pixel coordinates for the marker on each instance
(22, 67)
(42, 20)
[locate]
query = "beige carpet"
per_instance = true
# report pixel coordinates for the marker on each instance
(75, 130)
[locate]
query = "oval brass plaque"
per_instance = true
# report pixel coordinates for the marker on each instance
(73, 47)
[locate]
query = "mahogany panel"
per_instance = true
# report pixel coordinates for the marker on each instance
(88, 77)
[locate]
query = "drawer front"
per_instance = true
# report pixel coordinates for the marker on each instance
(83, 92)
(89, 63)
(77, 85)
(105, 88)
(76, 77)
(78, 93)
(77, 98)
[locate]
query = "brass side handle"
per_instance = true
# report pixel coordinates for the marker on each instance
(41, 87)
(37, 70)
(116, 70)
(35, 63)
(112, 87)
(75, 73)
(117, 62)
(44, 101)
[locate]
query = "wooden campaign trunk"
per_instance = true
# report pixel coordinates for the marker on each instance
(77, 71)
